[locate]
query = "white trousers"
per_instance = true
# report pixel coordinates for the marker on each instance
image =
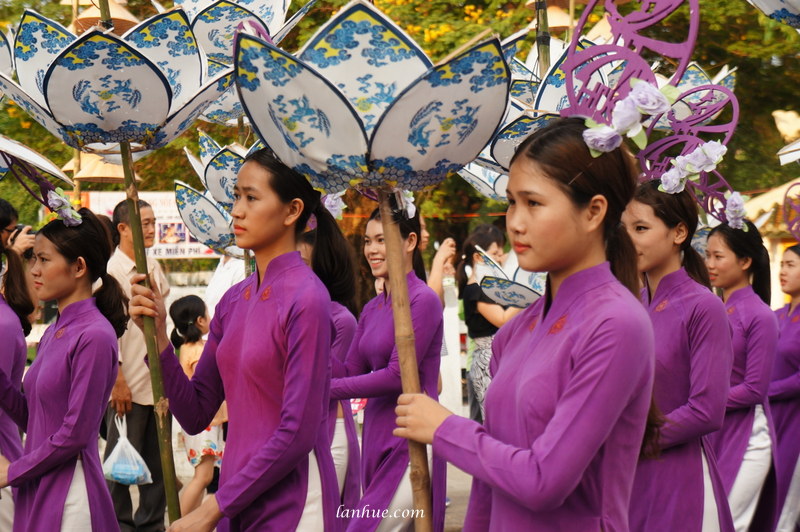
(6, 509)
(312, 519)
(340, 453)
(77, 517)
(403, 500)
(791, 507)
(743, 498)
(710, 513)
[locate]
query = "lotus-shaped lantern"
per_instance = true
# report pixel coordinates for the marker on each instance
(97, 90)
(207, 215)
(508, 285)
(361, 104)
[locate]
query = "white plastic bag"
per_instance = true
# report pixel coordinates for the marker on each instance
(124, 465)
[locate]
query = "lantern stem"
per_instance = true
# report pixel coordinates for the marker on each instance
(406, 351)
(542, 37)
(160, 403)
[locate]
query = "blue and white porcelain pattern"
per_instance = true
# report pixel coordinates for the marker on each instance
(508, 285)
(508, 293)
(271, 12)
(695, 76)
(6, 57)
(205, 220)
(361, 105)
(98, 90)
(487, 182)
(784, 11)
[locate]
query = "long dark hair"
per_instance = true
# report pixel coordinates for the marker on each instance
(560, 151)
(184, 313)
(91, 241)
(407, 226)
(484, 236)
(332, 258)
(15, 286)
(674, 209)
(794, 249)
(338, 277)
(749, 244)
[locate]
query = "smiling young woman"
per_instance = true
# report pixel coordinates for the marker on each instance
(567, 408)
(268, 356)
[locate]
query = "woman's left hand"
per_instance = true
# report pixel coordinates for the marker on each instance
(418, 417)
(203, 519)
(4, 463)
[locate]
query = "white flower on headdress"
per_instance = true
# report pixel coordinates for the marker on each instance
(335, 204)
(648, 99)
(673, 181)
(703, 158)
(626, 117)
(602, 139)
(405, 202)
(734, 211)
(61, 205)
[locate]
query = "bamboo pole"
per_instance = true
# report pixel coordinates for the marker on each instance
(406, 351)
(161, 405)
(542, 38)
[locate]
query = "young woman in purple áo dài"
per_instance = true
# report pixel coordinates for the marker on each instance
(784, 394)
(268, 356)
(567, 408)
(681, 489)
(738, 264)
(341, 284)
(59, 478)
(15, 307)
(373, 371)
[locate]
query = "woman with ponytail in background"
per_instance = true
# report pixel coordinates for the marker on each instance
(340, 280)
(59, 478)
(204, 450)
(681, 489)
(268, 357)
(15, 306)
(567, 408)
(373, 371)
(738, 264)
(784, 394)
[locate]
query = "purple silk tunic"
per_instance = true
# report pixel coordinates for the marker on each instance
(344, 329)
(693, 371)
(755, 336)
(65, 396)
(268, 356)
(565, 413)
(784, 399)
(374, 370)
(13, 356)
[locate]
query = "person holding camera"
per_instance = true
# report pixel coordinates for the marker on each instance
(14, 236)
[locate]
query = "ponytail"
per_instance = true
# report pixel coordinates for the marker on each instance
(621, 255)
(112, 302)
(15, 288)
(332, 259)
(184, 313)
(749, 244)
(694, 264)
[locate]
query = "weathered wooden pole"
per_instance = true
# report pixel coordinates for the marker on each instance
(542, 37)
(160, 402)
(407, 355)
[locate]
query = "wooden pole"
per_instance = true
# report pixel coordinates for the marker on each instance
(161, 405)
(542, 38)
(406, 351)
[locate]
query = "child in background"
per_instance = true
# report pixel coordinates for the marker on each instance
(204, 450)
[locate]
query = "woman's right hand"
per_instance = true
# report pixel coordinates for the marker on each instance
(148, 302)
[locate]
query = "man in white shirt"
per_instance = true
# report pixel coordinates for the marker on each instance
(132, 395)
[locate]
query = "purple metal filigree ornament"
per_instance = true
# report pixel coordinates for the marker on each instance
(791, 210)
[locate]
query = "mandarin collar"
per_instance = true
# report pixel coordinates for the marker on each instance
(743, 293)
(578, 284)
(75, 310)
(668, 283)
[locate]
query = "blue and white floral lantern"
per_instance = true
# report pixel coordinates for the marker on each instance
(784, 11)
(362, 105)
(97, 90)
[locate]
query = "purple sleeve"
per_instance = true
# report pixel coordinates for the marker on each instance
(426, 318)
(710, 359)
(195, 402)
(345, 326)
(787, 388)
(12, 401)
(93, 371)
(762, 339)
(305, 402)
(608, 369)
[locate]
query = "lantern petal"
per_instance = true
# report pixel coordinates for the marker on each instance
(505, 143)
(208, 148)
(215, 27)
(203, 218)
(196, 165)
(489, 183)
(220, 176)
(15, 93)
(39, 161)
(6, 58)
